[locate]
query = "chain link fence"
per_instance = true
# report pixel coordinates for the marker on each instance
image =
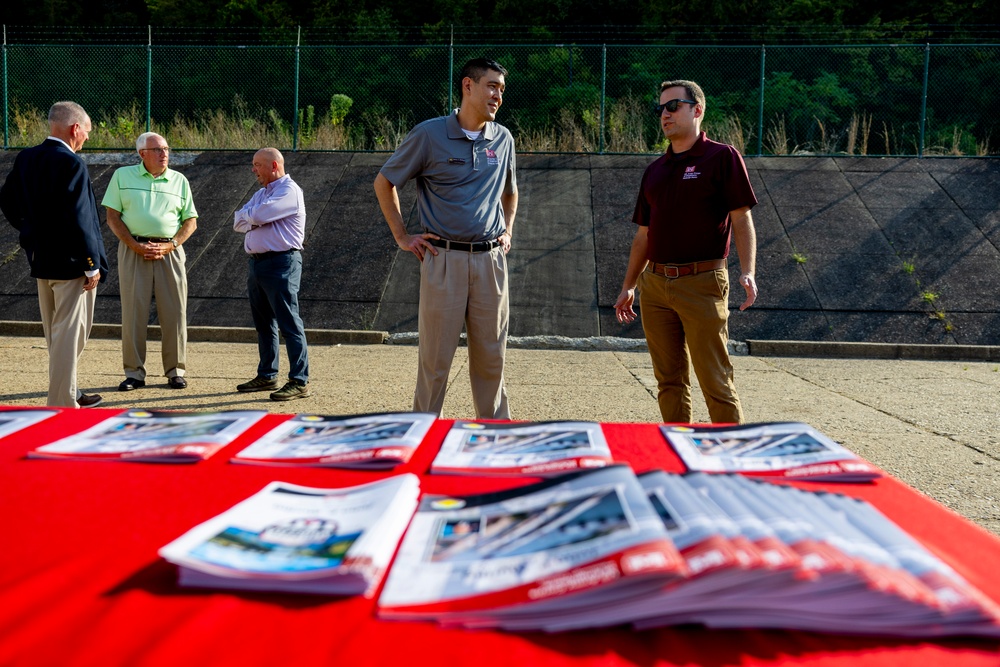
(876, 100)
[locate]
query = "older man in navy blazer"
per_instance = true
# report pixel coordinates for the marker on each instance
(49, 199)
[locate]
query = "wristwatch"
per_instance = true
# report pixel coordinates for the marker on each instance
(174, 241)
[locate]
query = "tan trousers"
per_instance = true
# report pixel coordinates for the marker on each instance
(139, 280)
(459, 288)
(67, 317)
(686, 321)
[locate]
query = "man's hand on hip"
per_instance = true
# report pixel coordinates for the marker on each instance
(417, 244)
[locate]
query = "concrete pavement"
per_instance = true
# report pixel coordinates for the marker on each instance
(932, 424)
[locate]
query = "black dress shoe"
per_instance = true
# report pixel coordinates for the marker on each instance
(177, 382)
(128, 384)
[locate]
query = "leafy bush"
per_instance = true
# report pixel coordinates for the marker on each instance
(340, 106)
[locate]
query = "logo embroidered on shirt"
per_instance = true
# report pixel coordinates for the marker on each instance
(689, 173)
(491, 157)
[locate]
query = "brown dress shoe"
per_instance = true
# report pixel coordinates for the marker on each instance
(89, 400)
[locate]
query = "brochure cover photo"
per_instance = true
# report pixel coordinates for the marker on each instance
(372, 441)
(148, 435)
(299, 539)
(790, 450)
(529, 448)
(574, 542)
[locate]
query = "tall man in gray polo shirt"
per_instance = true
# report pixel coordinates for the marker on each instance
(464, 166)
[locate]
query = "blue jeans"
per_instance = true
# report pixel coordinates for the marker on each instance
(273, 286)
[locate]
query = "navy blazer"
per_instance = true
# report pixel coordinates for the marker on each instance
(49, 199)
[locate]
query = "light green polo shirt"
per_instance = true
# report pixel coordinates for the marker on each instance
(150, 206)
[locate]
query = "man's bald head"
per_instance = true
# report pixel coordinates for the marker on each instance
(268, 165)
(271, 155)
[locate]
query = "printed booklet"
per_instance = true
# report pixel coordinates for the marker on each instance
(851, 570)
(788, 450)
(300, 539)
(147, 435)
(560, 546)
(768, 556)
(580, 552)
(13, 420)
(362, 441)
(529, 448)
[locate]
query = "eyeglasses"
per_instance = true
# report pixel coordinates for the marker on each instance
(158, 150)
(670, 106)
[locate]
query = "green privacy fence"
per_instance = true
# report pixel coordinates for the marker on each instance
(876, 100)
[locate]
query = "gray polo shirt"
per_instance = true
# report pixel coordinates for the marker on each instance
(459, 181)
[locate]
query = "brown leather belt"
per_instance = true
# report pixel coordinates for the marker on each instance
(678, 270)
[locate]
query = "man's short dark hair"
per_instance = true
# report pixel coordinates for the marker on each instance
(477, 67)
(694, 91)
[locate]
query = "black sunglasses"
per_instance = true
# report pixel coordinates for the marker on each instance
(670, 106)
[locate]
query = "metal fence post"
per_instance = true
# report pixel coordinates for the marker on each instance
(295, 104)
(604, 88)
(451, 71)
(923, 101)
(149, 77)
(760, 105)
(6, 102)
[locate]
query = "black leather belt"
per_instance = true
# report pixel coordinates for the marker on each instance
(151, 239)
(479, 246)
(272, 253)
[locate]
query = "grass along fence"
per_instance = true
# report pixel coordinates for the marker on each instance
(626, 134)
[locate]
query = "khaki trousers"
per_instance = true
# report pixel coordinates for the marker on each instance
(67, 317)
(686, 321)
(139, 280)
(457, 288)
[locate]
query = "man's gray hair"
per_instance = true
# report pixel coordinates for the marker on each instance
(140, 142)
(67, 113)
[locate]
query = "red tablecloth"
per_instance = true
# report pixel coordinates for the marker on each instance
(81, 582)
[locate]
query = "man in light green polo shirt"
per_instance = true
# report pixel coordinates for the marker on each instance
(151, 211)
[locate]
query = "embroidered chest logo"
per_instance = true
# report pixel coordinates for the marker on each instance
(689, 173)
(491, 157)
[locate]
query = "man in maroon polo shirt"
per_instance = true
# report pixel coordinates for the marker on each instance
(689, 201)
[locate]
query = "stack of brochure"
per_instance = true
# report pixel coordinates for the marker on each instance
(857, 571)
(768, 556)
(528, 448)
(579, 552)
(789, 450)
(300, 539)
(364, 441)
(528, 556)
(161, 437)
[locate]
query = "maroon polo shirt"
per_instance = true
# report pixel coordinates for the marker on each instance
(685, 200)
